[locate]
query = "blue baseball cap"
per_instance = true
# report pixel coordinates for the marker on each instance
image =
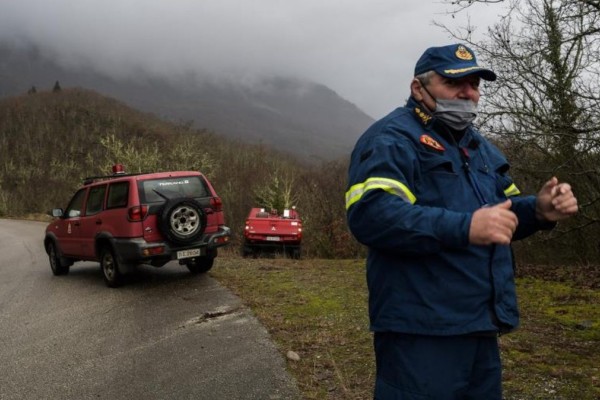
(453, 61)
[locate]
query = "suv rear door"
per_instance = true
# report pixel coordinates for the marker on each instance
(115, 217)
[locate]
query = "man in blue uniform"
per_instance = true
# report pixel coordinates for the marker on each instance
(433, 201)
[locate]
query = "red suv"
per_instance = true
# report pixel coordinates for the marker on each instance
(123, 220)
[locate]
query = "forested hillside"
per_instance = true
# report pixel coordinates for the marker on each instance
(50, 141)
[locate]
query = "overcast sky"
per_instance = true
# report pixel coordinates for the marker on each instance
(365, 50)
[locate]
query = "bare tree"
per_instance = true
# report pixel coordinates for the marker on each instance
(544, 108)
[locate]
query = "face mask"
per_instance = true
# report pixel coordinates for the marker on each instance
(456, 114)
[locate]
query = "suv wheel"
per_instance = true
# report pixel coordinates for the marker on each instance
(182, 221)
(56, 263)
(200, 265)
(110, 268)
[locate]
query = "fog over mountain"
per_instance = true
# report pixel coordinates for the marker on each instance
(303, 118)
(237, 52)
(364, 51)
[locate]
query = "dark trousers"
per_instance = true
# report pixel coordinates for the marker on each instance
(415, 367)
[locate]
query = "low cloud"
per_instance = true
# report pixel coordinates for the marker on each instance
(363, 50)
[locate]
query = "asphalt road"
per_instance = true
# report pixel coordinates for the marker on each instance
(166, 335)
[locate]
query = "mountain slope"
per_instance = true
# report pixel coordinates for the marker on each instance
(306, 119)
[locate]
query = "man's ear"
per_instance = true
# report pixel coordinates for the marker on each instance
(415, 89)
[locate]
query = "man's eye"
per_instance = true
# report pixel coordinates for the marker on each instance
(475, 82)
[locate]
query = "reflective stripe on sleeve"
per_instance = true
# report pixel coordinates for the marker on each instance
(390, 186)
(512, 190)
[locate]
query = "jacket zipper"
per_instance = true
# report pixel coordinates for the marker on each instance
(464, 153)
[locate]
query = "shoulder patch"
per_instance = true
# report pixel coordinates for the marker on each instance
(431, 142)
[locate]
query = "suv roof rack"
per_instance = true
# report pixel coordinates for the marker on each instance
(91, 179)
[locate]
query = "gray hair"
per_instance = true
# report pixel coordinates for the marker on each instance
(425, 77)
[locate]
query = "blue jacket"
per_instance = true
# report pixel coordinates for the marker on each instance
(412, 192)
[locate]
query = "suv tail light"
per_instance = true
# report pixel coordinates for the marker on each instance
(216, 203)
(137, 213)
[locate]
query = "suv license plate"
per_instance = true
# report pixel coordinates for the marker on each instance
(188, 253)
(273, 238)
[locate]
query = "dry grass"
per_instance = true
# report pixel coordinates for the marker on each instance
(318, 309)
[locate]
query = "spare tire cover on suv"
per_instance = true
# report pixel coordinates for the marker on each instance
(182, 221)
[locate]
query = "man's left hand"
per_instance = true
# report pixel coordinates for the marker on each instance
(555, 201)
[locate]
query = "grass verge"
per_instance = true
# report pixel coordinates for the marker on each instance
(318, 309)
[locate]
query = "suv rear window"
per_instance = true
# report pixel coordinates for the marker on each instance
(171, 188)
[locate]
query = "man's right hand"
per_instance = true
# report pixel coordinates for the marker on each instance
(493, 225)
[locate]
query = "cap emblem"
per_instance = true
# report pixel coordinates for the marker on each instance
(463, 54)
(431, 142)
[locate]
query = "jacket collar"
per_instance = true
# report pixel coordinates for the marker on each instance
(420, 113)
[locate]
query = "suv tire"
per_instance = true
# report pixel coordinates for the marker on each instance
(110, 268)
(182, 221)
(56, 263)
(200, 265)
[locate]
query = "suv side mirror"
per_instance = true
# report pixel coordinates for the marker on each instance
(56, 212)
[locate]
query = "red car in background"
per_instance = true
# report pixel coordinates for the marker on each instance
(272, 231)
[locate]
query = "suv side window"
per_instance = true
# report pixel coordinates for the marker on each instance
(95, 200)
(118, 195)
(76, 204)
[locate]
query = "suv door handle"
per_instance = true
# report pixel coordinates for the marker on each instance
(98, 222)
